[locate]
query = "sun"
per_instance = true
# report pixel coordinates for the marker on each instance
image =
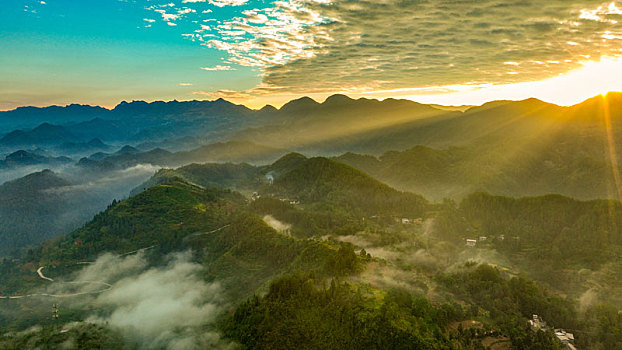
(594, 78)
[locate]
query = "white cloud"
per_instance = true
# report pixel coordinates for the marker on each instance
(602, 13)
(167, 16)
(218, 68)
(225, 94)
(223, 3)
(166, 307)
(185, 10)
(323, 46)
(272, 36)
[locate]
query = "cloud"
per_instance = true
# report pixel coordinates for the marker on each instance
(223, 3)
(602, 13)
(116, 181)
(307, 46)
(218, 68)
(280, 226)
(271, 36)
(185, 84)
(167, 16)
(167, 307)
(225, 94)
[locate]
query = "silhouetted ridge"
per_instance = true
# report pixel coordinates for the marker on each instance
(304, 104)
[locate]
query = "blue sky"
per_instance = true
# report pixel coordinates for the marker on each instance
(264, 51)
(101, 52)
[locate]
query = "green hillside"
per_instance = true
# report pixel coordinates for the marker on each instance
(347, 274)
(325, 181)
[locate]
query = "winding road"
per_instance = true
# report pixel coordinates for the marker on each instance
(105, 286)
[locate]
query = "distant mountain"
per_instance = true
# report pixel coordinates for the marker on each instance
(513, 170)
(92, 146)
(43, 135)
(138, 121)
(98, 128)
(28, 117)
(233, 151)
(175, 145)
(522, 148)
(25, 158)
(340, 124)
(127, 149)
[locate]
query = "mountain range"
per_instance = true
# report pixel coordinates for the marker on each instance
(323, 254)
(337, 125)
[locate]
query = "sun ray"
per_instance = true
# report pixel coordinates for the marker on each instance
(611, 146)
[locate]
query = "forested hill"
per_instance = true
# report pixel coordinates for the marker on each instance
(31, 209)
(299, 285)
(294, 177)
(323, 180)
(571, 245)
(579, 168)
(237, 249)
(560, 230)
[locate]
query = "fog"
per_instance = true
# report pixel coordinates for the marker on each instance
(66, 207)
(16, 173)
(405, 257)
(167, 306)
(279, 226)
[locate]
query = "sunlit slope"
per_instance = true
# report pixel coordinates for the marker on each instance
(341, 123)
(508, 147)
(511, 148)
(211, 175)
(344, 124)
(323, 180)
(566, 168)
(308, 181)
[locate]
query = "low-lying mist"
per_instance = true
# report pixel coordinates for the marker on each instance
(45, 205)
(405, 256)
(163, 307)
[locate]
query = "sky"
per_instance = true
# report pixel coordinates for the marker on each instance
(258, 52)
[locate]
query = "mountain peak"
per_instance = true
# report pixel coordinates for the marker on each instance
(337, 99)
(268, 109)
(301, 104)
(127, 149)
(47, 126)
(96, 142)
